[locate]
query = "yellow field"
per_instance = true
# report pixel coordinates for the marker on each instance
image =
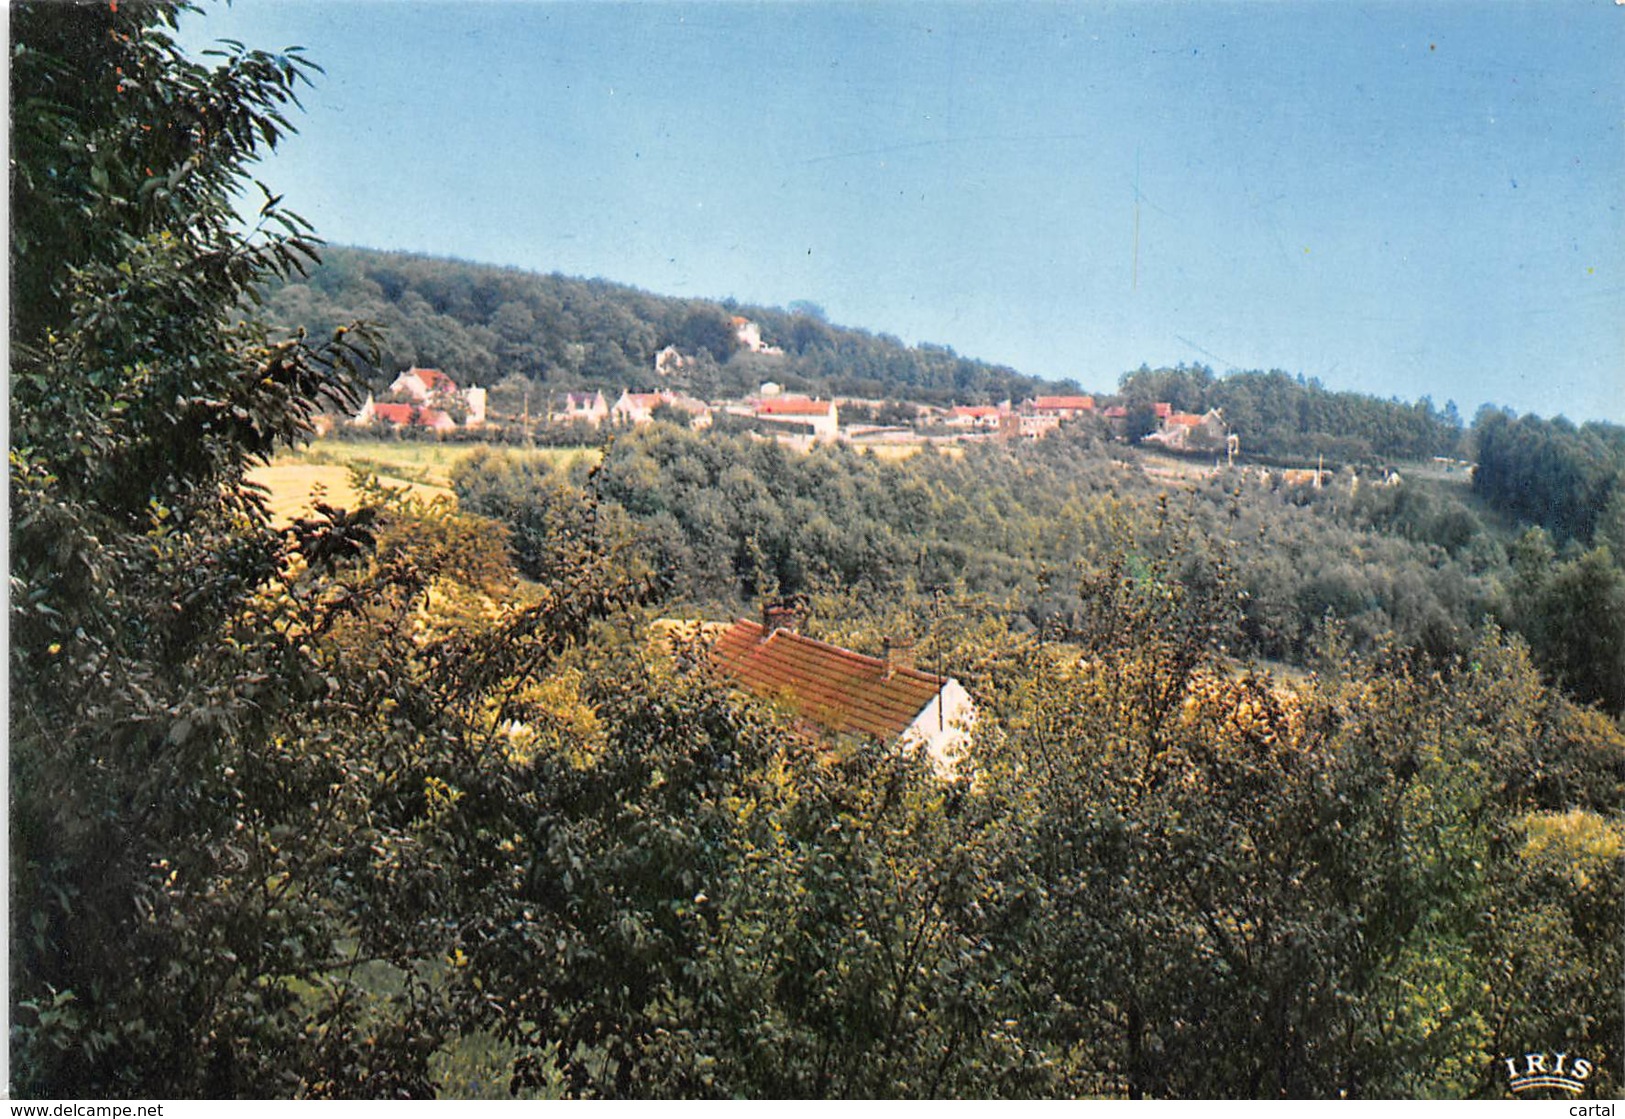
(897, 452)
(295, 486)
(295, 477)
(429, 463)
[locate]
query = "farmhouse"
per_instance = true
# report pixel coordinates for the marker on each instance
(1061, 407)
(432, 388)
(582, 407)
(403, 415)
(972, 415)
(819, 415)
(638, 408)
(838, 692)
(1189, 431)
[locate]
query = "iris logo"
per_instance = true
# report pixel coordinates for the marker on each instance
(1548, 1070)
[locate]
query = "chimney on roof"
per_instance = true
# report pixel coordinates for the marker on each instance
(898, 653)
(781, 613)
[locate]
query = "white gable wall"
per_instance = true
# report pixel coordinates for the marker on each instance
(943, 726)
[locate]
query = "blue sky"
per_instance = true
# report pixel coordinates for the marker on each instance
(1401, 199)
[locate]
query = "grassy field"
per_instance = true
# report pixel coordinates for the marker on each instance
(897, 452)
(425, 462)
(296, 478)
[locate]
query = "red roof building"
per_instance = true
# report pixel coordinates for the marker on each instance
(819, 415)
(782, 407)
(423, 383)
(840, 692)
(411, 415)
(973, 415)
(1064, 405)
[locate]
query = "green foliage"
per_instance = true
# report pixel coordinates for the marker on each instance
(485, 324)
(399, 800)
(1280, 417)
(1548, 472)
(723, 521)
(1573, 615)
(211, 790)
(699, 904)
(1255, 890)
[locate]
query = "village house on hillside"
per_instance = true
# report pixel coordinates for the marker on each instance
(819, 415)
(668, 361)
(973, 416)
(431, 386)
(1041, 415)
(749, 336)
(582, 407)
(1182, 431)
(431, 397)
(403, 415)
(839, 692)
(1062, 407)
(638, 408)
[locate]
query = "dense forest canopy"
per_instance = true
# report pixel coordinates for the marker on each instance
(1290, 418)
(726, 521)
(486, 324)
(407, 799)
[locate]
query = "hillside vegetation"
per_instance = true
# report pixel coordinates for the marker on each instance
(487, 325)
(403, 799)
(543, 335)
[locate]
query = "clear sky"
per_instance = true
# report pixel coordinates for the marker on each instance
(1397, 198)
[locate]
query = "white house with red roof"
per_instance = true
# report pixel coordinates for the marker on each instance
(1062, 407)
(432, 387)
(668, 361)
(972, 415)
(1190, 431)
(403, 415)
(821, 416)
(838, 692)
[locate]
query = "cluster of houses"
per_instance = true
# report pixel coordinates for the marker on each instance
(429, 400)
(426, 399)
(1041, 415)
(633, 408)
(818, 418)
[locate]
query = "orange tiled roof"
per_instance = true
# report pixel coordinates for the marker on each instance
(1187, 419)
(401, 415)
(434, 380)
(1065, 403)
(839, 691)
(1163, 410)
(793, 408)
(975, 411)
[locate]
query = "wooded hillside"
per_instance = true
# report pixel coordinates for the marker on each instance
(412, 798)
